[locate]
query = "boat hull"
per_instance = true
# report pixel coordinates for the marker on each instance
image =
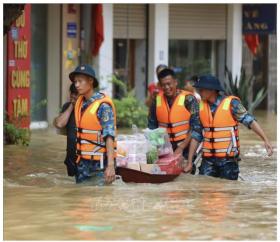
(130, 175)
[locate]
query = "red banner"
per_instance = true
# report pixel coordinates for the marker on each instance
(253, 41)
(97, 28)
(18, 73)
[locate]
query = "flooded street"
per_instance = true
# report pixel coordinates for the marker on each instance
(42, 203)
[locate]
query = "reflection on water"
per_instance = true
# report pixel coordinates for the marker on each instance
(42, 203)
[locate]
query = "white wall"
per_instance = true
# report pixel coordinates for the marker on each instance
(221, 59)
(234, 38)
(140, 69)
(158, 38)
(272, 73)
(53, 62)
(104, 61)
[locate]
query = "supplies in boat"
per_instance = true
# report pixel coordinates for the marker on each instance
(159, 138)
(132, 149)
(171, 164)
(150, 153)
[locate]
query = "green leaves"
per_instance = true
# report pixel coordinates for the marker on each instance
(129, 109)
(259, 98)
(14, 135)
(243, 88)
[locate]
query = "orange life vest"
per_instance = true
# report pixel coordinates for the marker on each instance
(220, 133)
(90, 143)
(174, 119)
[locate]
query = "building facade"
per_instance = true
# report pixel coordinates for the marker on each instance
(192, 38)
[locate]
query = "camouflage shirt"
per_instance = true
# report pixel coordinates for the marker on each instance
(105, 115)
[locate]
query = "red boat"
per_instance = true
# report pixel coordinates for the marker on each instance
(131, 175)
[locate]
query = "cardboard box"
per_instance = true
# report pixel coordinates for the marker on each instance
(134, 166)
(151, 169)
(146, 168)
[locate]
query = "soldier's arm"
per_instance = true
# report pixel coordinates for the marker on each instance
(241, 115)
(62, 120)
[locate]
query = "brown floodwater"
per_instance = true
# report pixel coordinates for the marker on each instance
(42, 203)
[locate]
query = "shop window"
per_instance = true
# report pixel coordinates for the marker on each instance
(195, 57)
(38, 62)
(130, 65)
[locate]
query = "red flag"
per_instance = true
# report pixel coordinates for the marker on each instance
(253, 42)
(97, 28)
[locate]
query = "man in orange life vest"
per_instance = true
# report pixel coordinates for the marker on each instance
(176, 110)
(219, 116)
(95, 119)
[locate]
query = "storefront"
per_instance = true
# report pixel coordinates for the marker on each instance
(130, 46)
(259, 50)
(39, 13)
(197, 39)
(17, 45)
(38, 45)
(192, 38)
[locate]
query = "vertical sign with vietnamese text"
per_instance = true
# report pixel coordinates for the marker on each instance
(18, 73)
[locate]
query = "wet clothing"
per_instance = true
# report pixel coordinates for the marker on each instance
(87, 169)
(71, 142)
(219, 167)
(224, 167)
(191, 105)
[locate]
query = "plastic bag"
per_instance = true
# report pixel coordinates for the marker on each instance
(166, 148)
(160, 139)
(133, 147)
(155, 136)
(122, 161)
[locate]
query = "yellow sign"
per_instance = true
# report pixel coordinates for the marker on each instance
(20, 22)
(70, 54)
(20, 49)
(20, 107)
(20, 79)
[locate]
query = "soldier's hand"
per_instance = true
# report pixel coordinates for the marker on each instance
(179, 150)
(110, 174)
(268, 148)
(188, 167)
(73, 100)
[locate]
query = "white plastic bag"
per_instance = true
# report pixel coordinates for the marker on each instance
(160, 139)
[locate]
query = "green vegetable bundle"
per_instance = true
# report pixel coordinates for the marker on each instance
(152, 155)
(156, 136)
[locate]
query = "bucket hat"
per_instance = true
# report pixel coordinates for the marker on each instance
(208, 82)
(85, 70)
